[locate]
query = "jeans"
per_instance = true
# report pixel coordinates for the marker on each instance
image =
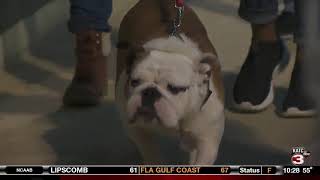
(266, 11)
(289, 5)
(258, 11)
(90, 15)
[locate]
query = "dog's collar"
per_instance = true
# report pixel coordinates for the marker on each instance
(209, 93)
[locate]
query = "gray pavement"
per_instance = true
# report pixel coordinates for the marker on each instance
(36, 129)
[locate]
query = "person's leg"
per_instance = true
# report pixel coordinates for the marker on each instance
(253, 90)
(286, 21)
(90, 15)
(298, 102)
(258, 11)
(289, 6)
(89, 23)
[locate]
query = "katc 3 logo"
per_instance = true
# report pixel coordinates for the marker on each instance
(297, 159)
(299, 154)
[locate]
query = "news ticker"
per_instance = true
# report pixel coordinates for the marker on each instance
(159, 170)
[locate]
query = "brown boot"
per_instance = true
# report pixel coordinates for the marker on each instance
(87, 86)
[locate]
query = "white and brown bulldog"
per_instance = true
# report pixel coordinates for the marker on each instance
(169, 84)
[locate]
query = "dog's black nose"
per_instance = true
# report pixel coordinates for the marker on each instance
(150, 96)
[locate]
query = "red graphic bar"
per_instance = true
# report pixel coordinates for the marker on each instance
(201, 177)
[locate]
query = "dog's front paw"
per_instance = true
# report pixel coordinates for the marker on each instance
(205, 154)
(188, 141)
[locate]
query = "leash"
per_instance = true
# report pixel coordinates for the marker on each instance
(177, 22)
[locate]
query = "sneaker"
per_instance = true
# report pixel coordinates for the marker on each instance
(253, 89)
(297, 103)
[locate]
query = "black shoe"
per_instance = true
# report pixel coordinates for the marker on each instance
(297, 102)
(253, 90)
(286, 24)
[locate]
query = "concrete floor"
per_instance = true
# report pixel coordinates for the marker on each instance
(36, 129)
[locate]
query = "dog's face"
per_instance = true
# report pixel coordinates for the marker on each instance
(166, 87)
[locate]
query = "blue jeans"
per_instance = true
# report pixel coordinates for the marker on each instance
(90, 15)
(266, 11)
(289, 5)
(258, 11)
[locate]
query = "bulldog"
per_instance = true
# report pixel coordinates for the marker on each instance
(169, 84)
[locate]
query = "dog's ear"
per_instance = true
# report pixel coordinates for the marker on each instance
(136, 53)
(208, 64)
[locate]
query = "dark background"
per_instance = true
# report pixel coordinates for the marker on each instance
(13, 10)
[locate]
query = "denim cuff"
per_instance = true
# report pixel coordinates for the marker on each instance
(258, 17)
(258, 11)
(84, 23)
(289, 6)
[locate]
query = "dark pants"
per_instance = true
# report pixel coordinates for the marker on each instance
(90, 15)
(266, 11)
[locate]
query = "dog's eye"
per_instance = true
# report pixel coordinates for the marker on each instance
(135, 82)
(176, 90)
